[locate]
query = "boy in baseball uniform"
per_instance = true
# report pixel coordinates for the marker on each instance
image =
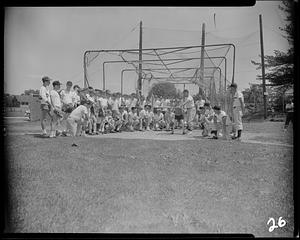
(77, 118)
(238, 110)
(57, 108)
(45, 104)
(220, 123)
(189, 110)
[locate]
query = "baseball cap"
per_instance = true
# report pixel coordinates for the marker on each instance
(45, 78)
(56, 83)
(217, 108)
(234, 85)
(86, 101)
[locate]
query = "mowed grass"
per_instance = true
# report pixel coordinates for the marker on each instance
(118, 185)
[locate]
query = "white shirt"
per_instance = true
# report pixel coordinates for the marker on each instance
(158, 117)
(220, 116)
(157, 103)
(127, 103)
(92, 99)
(76, 97)
(79, 112)
(168, 102)
(67, 97)
(45, 95)
(236, 99)
(115, 105)
(143, 113)
(133, 116)
(133, 102)
(189, 102)
(124, 115)
(55, 99)
(110, 101)
(201, 103)
(103, 102)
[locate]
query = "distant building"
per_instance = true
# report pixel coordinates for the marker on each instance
(25, 100)
(31, 102)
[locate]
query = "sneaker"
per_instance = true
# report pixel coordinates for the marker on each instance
(236, 138)
(74, 145)
(52, 136)
(148, 129)
(44, 133)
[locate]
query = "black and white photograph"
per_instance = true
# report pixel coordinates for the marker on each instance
(150, 119)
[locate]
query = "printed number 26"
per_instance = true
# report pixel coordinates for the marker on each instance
(281, 223)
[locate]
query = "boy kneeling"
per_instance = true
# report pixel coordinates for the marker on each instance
(77, 118)
(220, 123)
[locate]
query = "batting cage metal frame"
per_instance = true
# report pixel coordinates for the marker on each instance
(167, 79)
(158, 53)
(167, 64)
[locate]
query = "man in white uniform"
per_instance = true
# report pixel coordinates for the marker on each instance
(189, 109)
(56, 106)
(67, 98)
(238, 110)
(45, 104)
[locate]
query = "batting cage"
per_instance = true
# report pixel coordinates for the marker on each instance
(203, 69)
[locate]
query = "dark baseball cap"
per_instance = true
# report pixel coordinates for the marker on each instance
(234, 85)
(45, 79)
(56, 83)
(217, 108)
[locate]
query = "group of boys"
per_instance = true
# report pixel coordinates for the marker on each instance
(87, 111)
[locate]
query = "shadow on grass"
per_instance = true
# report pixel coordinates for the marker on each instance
(36, 135)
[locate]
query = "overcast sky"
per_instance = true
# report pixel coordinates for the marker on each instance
(52, 41)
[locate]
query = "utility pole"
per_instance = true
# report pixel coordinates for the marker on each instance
(202, 57)
(84, 70)
(263, 66)
(140, 61)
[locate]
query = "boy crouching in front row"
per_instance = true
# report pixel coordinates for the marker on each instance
(170, 120)
(220, 123)
(77, 118)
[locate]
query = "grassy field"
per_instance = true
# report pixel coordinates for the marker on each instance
(130, 185)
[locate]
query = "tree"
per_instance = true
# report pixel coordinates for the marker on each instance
(15, 102)
(280, 66)
(31, 92)
(164, 89)
(253, 97)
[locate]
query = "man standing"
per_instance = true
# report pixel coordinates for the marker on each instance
(76, 97)
(238, 110)
(289, 107)
(189, 109)
(56, 106)
(67, 97)
(45, 104)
